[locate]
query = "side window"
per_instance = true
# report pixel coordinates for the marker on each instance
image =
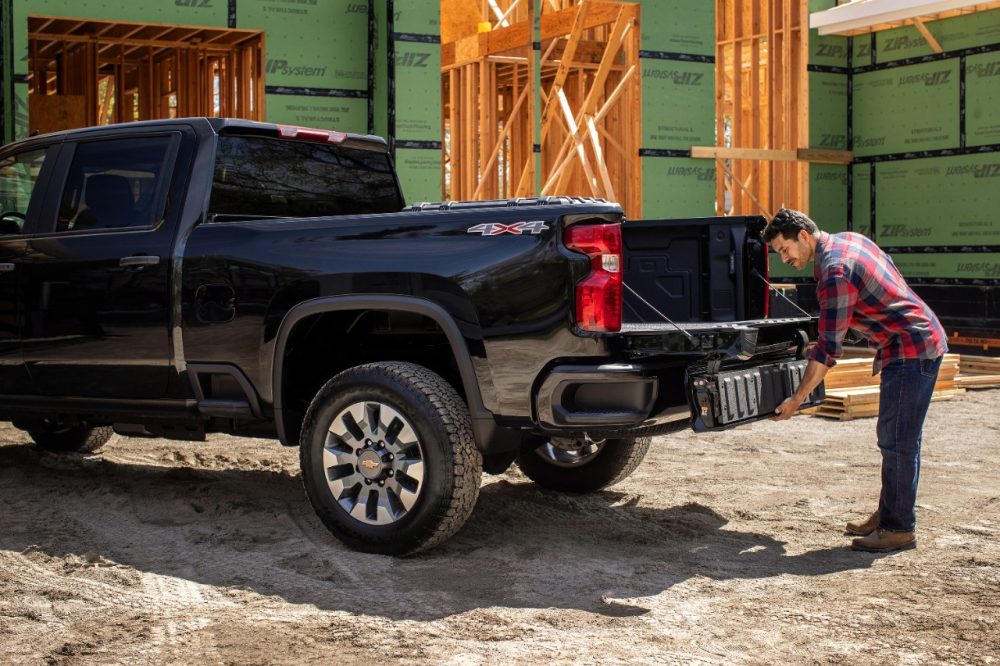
(115, 183)
(18, 175)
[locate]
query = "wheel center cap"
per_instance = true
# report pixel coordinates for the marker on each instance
(370, 465)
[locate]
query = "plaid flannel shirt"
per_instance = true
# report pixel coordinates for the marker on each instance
(859, 286)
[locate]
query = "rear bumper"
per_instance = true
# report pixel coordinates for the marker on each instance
(601, 397)
(634, 396)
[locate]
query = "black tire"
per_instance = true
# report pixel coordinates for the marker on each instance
(64, 439)
(612, 463)
(451, 465)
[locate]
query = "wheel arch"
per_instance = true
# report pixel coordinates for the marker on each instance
(484, 425)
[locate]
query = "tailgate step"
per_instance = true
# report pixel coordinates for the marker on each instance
(732, 397)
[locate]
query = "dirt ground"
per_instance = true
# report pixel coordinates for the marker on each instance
(722, 548)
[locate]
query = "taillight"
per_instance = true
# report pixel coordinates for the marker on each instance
(310, 134)
(599, 295)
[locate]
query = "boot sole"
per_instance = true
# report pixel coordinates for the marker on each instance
(903, 546)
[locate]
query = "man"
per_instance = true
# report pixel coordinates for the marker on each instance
(858, 286)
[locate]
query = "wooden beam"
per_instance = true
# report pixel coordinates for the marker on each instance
(550, 108)
(715, 152)
(927, 35)
(508, 124)
(623, 23)
(767, 154)
(598, 14)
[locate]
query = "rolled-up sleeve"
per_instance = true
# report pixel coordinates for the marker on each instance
(837, 297)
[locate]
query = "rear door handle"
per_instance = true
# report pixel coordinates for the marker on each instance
(6, 268)
(138, 260)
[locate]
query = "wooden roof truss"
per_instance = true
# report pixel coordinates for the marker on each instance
(585, 83)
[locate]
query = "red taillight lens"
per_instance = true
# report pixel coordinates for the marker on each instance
(599, 295)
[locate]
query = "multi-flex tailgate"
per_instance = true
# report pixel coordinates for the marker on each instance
(726, 398)
(740, 339)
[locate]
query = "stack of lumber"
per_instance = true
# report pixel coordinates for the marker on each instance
(978, 372)
(852, 392)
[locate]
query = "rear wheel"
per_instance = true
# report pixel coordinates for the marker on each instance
(582, 466)
(54, 436)
(388, 458)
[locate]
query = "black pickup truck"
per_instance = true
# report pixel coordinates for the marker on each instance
(173, 278)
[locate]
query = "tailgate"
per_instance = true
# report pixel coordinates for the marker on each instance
(734, 373)
(725, 398)
(737, 340)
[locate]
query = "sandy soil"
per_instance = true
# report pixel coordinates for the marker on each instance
(719, 549)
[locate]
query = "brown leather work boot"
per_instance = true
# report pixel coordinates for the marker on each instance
(864, 526)
(884, 541)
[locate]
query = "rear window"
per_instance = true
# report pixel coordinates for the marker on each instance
(259, 176)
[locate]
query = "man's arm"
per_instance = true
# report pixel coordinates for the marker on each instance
(837, 298)
(815, 372)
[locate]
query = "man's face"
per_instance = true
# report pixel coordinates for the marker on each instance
(795, 252)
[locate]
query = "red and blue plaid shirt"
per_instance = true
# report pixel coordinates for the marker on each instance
(859, 287)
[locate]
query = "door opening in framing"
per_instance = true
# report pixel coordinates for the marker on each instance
(89, 72)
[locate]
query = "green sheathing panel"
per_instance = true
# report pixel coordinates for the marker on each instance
(380, 78)
(677, 187)
(212, 13)
(417, 17)
(861, 54)
(336, 113)
(962, 32)
(418, 98)
(828, 50)
(418, 91)
(982, 99)
(312, 44)
(828, 196)
(861, 213)
(942, 201)
(827, 207)
(419, 174)
(828, 111)
(20, 111)
(907, 109)
(678, 26)
(678, 102)
(964, 266)
(827, 130)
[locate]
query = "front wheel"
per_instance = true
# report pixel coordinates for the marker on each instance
(582, 466)
(388, 458)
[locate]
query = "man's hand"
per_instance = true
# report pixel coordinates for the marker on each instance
(786, 409)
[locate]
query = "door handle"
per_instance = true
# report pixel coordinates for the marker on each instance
(139, 261)
(6, 268)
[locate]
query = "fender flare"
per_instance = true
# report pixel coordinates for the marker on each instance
(433, 311)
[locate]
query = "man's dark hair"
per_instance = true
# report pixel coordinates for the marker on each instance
(788, 223)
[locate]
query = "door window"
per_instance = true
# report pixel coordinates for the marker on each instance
(18, 175)
(116, 183)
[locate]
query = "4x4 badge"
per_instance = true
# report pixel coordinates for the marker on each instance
(517, 228)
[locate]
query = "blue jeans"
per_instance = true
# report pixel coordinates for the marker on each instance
(907, 385)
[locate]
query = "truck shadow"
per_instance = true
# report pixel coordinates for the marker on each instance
(253, 530)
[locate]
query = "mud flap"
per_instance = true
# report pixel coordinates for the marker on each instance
(723, 399)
